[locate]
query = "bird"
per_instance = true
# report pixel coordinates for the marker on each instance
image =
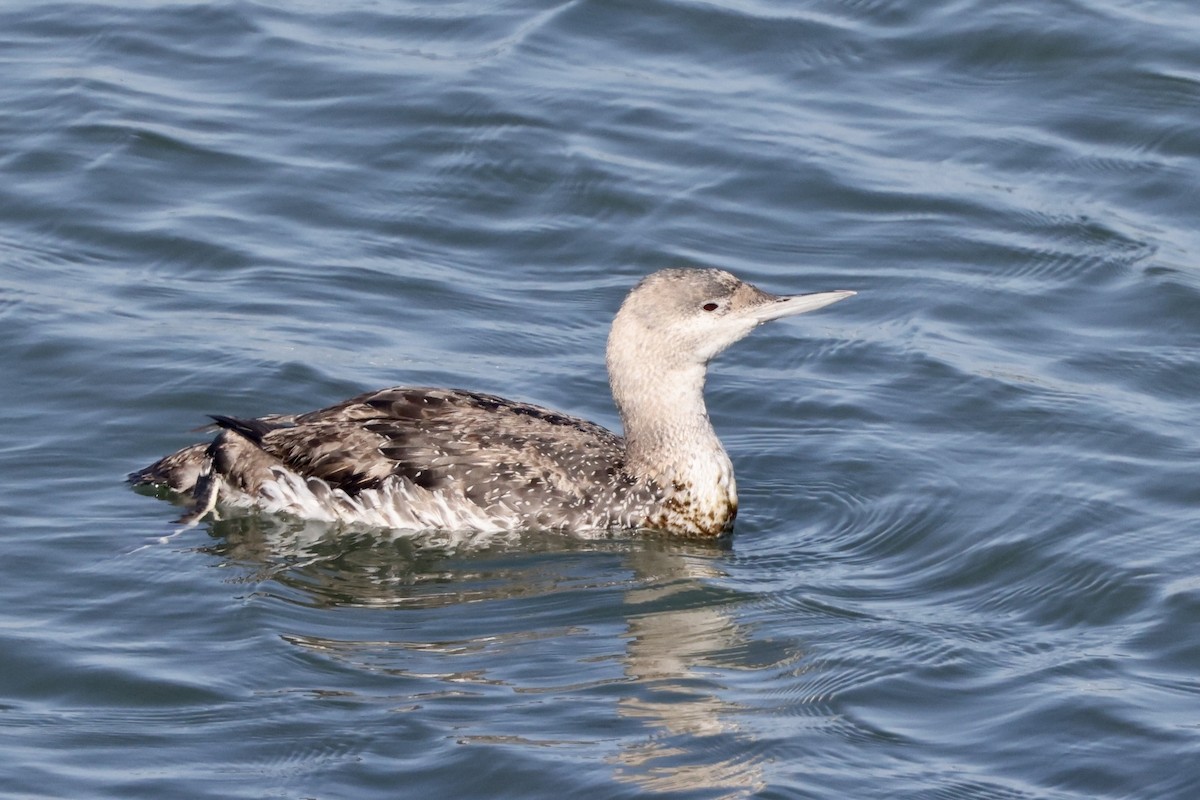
(426, 458)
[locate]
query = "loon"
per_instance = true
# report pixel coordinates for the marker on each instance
(447, 459)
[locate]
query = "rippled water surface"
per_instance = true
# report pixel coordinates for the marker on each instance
(967, 563)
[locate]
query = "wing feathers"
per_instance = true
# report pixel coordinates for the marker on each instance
(436, 438)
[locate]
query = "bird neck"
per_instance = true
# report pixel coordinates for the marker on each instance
(668, 436)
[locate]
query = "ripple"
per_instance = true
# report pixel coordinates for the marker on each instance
(963, 565)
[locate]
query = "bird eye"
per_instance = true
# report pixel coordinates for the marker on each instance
(710, 306)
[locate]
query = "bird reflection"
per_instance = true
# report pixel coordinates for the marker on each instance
(672, 651)
(677, 634)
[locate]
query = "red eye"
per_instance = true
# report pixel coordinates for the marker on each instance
(710, 306)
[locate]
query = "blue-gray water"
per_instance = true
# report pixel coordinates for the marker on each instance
(967, 563)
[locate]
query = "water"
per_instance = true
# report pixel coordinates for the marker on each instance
(966, 562)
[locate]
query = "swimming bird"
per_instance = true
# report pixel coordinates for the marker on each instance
(449, 459)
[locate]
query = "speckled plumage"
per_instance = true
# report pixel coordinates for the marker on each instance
(428, 458)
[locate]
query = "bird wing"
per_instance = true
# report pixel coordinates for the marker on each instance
(474, 443)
